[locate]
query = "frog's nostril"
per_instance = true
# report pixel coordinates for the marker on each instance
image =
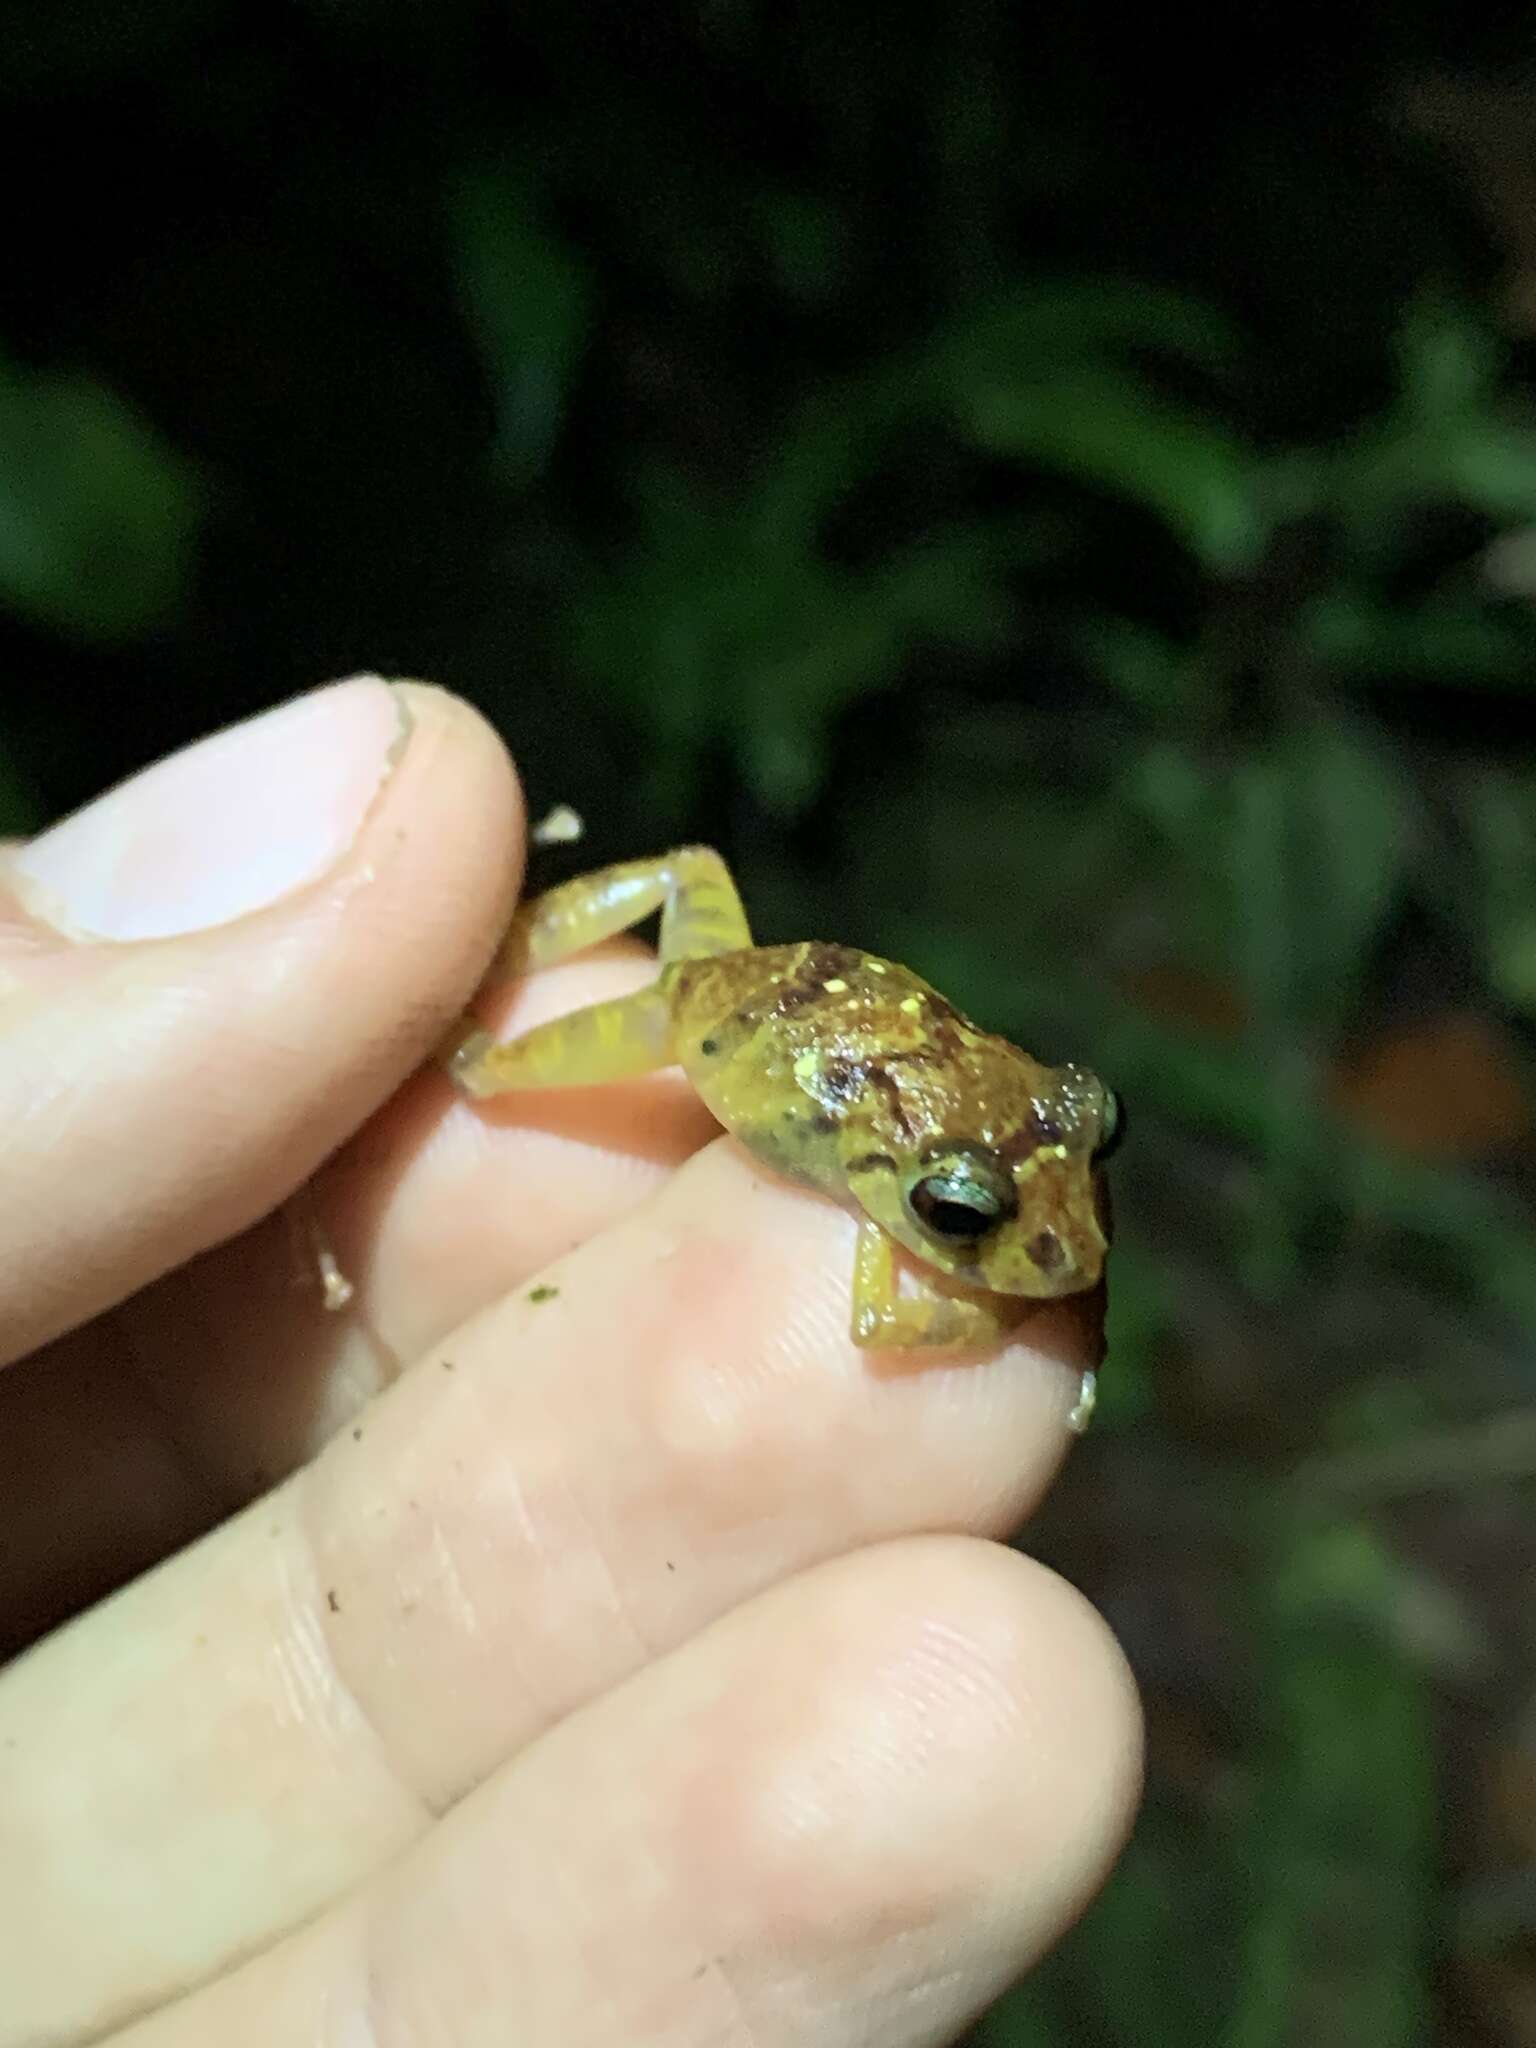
(1046, 1251)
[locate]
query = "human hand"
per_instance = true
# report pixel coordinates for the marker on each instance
(622, 1659)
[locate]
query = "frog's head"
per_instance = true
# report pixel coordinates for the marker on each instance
(1014, 1207)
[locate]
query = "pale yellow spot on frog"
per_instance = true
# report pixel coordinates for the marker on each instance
(1038, 1158)
(911, 1004)
(875, 966)
(835, 988)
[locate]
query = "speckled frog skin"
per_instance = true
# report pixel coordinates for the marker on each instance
(847, 1074)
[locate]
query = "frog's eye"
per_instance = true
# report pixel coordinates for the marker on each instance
(1113, 1127)
(961, 1198)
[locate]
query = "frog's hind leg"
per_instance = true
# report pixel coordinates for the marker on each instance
(701, 914)
(605, 1042)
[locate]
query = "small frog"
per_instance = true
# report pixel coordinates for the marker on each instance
(845, 1073)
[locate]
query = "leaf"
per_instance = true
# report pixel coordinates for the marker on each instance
(1353, 836)
(1491, 466)
(791, 703)
(1451, 436)
(1497, 808)
(1321, 833)
(1341, 1843)
(826, 448)
(1057, 323)
(1397, 466)
(1048, 375)
(1105, 429)
(528, 297)
(1444, 643)
(947, 590)
(1148, 669)
(1152, 1961)
(1139, 1316)
(98, 515)
(1447, 362)
(729, 623)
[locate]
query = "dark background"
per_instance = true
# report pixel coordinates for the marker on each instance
(1056, 504)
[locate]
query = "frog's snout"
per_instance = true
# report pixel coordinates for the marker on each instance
(1050, 1255)
(1058, 1265)
(1050, 1259)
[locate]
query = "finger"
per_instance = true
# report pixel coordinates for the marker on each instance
(852, 1811)
(266, 934)
(213, 1385)
(436, 1209)
(158, 1092)
(578, 1481)
(451, 1203)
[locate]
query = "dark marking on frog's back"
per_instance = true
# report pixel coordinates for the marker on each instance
(830, 963)
(872, 1162)
(944, 1038)
(843, 1080)
(1036, 1130)
(878, 1077)
(1047, 1128)
(817, 965)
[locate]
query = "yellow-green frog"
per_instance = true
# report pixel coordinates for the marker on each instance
(845, 1073)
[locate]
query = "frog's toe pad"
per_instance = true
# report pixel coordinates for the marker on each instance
(1087, 1401)
(465, 1064)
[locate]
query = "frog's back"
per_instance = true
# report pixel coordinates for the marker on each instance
(790, 1047)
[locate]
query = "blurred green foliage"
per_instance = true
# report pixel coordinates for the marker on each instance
(97, 513)
(1309, 1923)
(1062, 524)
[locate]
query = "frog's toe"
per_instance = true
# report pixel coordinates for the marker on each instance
(465, 1061)
(1087, 1401)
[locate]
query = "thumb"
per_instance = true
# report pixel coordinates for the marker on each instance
(214, 973)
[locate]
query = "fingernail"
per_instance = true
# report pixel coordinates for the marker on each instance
(230, 825)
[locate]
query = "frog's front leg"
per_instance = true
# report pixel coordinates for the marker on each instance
(883, 1316)
(701, 914)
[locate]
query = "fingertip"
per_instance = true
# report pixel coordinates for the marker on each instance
(1079, 1714)
(970, 1757)
(225, 995)
(452, 756)
(432, 707)
(936, 1735)
(1024, 1722)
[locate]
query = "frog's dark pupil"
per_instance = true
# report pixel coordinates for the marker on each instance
(955, 1209)
(950, 1219)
